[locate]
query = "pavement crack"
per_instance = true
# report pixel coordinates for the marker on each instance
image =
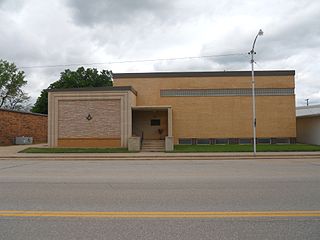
(315, 164)
(18, 165)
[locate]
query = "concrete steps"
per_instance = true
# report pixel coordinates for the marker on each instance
(153, 146)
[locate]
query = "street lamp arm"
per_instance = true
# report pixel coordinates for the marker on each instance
(260, 33)
(254, 43)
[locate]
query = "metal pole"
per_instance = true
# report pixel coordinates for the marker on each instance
(307, 100)
(254, 120)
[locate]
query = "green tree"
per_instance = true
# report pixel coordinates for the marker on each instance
(11, 82)
(80, 78)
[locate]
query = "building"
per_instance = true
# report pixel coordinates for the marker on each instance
(308, 124)
(18, 124)
(176, 107)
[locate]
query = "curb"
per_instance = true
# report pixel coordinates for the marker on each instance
(159, 157)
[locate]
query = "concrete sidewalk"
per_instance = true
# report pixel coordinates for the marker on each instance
(12, 152)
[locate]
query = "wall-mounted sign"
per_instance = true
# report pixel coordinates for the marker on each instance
(89, 117)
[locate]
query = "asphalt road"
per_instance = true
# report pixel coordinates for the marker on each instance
(89, 188)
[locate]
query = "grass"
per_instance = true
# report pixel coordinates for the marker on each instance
(188, 148)
(74, 150)
(247, 148)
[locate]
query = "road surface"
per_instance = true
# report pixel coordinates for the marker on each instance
(210, 199)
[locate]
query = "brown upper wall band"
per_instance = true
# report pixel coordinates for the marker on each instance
(204, 74)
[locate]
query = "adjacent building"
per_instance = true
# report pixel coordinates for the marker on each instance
(308, 124)
(15, 124)
(177, 108)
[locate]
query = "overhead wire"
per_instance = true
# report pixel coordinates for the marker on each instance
(131, 61)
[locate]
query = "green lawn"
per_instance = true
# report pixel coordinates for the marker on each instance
(246, 148)
(74, 150)
(187, 148)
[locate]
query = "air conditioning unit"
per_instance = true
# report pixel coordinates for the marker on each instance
(23, 140)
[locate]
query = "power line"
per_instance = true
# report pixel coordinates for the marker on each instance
(132, 61)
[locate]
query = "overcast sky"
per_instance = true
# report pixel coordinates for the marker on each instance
(57, 32)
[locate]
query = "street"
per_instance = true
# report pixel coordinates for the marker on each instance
(83, 199)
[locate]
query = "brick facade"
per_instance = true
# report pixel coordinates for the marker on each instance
(197, 106)
(224, 116)
(16, 124)
(105, 119)
(108, 110)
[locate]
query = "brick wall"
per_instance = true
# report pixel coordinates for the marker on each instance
(105, 122)
(16, 124)
(220, 117)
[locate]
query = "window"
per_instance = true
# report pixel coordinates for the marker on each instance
(264, 140)
(245, 140)
(225, 92)
(203, 141)
(185, 141)
(155, 122)
(222, 140)
(233, 141)
(293, 140)
(281, 140)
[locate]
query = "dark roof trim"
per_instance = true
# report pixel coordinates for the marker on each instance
(204, 74)
(23, 112)
(309, 116)
(124, 88)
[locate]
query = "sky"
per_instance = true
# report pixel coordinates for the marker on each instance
(38, 35)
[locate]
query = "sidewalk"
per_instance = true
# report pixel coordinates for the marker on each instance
(12, 152)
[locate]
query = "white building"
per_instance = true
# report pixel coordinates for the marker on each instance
(308, 124)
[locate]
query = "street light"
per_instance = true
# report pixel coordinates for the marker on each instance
(254, 122)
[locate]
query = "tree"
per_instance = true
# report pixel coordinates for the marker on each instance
(18, 102)
(11, 82)
(80, 78)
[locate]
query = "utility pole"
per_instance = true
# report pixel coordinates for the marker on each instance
(307, 100)
(254, 121)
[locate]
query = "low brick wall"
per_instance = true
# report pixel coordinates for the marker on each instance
(16, 124)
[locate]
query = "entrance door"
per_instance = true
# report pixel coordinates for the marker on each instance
(152, 124)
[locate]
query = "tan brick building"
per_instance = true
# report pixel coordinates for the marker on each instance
(177, 107)
(17, 124)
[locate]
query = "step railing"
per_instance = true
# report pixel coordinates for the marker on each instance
(141, 140)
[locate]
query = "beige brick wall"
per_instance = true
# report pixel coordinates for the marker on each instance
(220, 117)
(149, 88)
(111, 117)
(105, 120)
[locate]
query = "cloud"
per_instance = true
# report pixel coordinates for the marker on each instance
(37, 32)
(45, 38)
(118, 12)
(12, 6)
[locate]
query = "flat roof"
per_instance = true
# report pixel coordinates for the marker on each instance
(203, 74)
(108, 88)
(308, 111)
